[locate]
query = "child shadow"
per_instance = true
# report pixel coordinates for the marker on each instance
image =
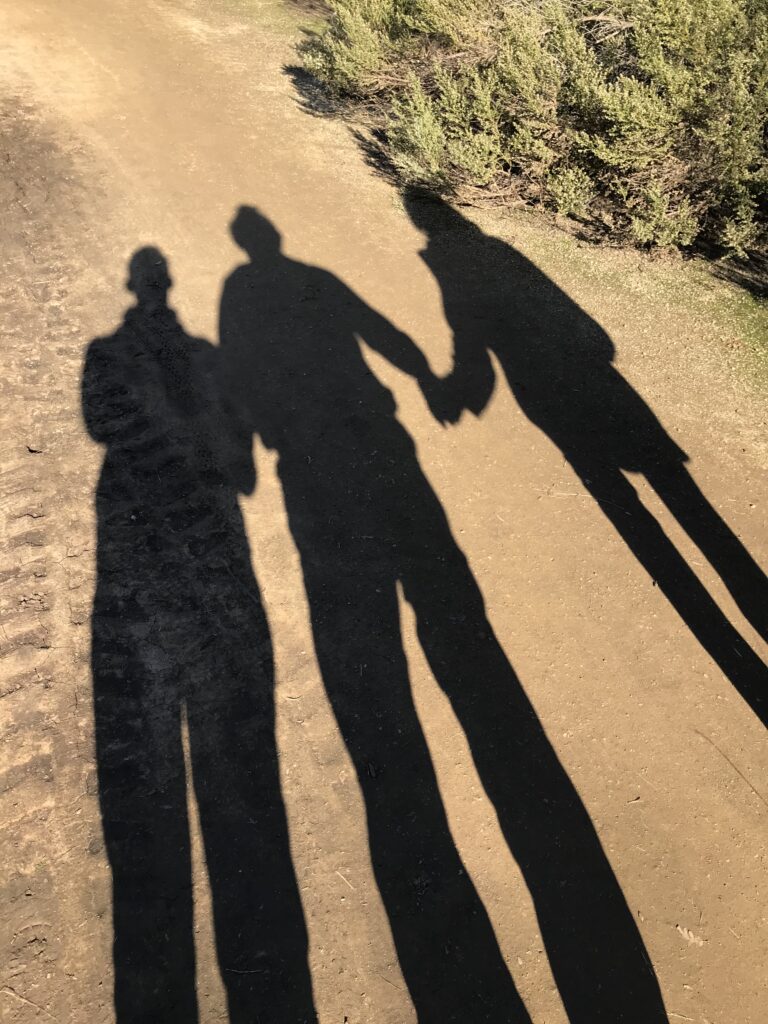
(183, 680)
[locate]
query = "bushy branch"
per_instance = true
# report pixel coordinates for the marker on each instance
(643, 118)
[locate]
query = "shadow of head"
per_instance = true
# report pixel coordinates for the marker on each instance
(148, 277)
(255, 233)
(432, 215)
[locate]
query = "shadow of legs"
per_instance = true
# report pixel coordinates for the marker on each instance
(677, 581)
(144, 810)
(261, 938)
(595, 950)
(724, 551)
(445, 943)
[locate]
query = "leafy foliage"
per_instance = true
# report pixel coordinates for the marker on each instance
(645, 118)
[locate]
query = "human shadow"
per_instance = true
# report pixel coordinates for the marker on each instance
(180, 636)
(559, 365)
(366, 522)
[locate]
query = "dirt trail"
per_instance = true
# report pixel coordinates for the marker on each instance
(146, 123)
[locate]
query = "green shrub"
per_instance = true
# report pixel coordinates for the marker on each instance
(657, 220)
(571, 190)
(645, 117)
(352, 52)
(417, 135)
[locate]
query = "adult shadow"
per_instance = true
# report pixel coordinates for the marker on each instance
(366, 522)
(559, 365)
(180, 636)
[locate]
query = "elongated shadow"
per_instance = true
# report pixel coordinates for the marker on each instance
(365, 519)
(179, 634)
(559, 365)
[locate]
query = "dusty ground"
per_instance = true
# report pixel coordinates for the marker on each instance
(138, 123)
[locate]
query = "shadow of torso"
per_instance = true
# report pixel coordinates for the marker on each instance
(291, 336)
(558, 361)
(168, 514)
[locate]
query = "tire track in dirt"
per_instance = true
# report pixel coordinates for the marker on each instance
(48, 813)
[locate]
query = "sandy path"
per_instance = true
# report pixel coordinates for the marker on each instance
(148, 123)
